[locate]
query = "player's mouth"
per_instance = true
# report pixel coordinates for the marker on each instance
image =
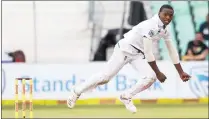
(167, 21)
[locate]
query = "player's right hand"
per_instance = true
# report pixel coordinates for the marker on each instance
(161, 77)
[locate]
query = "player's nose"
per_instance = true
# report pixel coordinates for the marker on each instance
(168, 17)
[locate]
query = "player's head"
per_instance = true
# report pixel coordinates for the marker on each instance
(166, 14)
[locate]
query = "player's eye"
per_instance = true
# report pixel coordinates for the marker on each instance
(166, 15)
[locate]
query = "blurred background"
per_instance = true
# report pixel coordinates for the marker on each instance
(60, 44)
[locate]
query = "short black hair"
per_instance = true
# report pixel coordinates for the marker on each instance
(166, 6)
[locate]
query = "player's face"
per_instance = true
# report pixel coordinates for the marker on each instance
(166, 15)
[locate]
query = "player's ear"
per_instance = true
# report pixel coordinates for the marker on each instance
(159, 14)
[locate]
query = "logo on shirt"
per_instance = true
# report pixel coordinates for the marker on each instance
(151, 33)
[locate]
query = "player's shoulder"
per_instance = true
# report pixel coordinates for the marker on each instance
(147, 24)
(150, 23)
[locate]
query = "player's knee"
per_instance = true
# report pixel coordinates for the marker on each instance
(152, 77)
(104, 79)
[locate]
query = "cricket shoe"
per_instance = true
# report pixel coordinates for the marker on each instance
(71, 101)
(128, 103)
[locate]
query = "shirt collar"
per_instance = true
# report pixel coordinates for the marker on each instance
(159, 22)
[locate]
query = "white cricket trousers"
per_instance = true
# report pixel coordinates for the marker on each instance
(118, 59)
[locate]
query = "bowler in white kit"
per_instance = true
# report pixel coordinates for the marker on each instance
(136, 49)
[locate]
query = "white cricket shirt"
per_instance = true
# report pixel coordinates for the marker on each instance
(151, 28)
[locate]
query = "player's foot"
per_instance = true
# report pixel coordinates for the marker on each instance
(72, 99)
(128, 103)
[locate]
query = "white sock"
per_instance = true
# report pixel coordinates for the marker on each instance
(140, 86)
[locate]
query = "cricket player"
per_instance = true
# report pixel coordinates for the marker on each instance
(136, 49)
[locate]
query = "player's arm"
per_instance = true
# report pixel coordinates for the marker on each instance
(174, 55)
(147, 34)
(175, 59)
(173, 52)
(148, 52)
(151, 59)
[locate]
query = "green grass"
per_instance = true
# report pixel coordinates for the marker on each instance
(144, 111)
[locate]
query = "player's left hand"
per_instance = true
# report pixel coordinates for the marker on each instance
(185, 77)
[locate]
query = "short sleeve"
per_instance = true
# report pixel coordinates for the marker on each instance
(147, 30)
(148, 33)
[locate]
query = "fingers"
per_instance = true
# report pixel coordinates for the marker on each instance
(163, 79)
(186, 78)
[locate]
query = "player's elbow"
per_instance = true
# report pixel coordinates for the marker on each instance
(173, 53)
(148, 49)
(175, 59)
(149, 56)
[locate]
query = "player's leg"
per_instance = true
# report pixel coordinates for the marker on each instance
(115, 63)
(148, 78)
